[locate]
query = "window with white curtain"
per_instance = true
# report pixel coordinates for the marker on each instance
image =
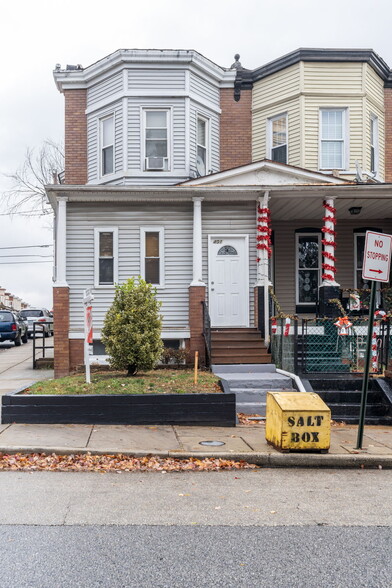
(332, 138)
(107, 145)
(374, 144)
(277, 138)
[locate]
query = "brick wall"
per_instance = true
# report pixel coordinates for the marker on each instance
(61, 331)
(76, 354)
(197, 294)
(75, 140)
(235, 129)
(388, 134)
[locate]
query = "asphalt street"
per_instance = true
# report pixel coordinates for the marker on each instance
(270, 528)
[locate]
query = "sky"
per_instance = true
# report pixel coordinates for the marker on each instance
(37, 35)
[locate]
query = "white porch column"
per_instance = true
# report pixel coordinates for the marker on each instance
(197, 278)
(263, 263)
(61, 243)
(328, 254)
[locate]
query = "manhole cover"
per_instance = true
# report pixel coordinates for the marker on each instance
(212, 443)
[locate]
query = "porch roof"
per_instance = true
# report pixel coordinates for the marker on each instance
(287, 202)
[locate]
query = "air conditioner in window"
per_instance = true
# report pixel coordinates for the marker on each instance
(156, 163)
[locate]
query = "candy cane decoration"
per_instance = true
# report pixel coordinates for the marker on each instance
(273, 326)
(287, 327)
(329, 243)
(264, 230)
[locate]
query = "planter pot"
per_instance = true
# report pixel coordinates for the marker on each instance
(131, 409)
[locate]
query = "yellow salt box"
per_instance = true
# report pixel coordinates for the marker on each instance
(297, 421)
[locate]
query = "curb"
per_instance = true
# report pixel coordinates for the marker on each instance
(272, 460)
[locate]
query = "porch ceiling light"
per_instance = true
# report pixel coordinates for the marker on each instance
(355, 209)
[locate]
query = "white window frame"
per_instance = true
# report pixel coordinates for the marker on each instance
(375, 145)
(161, 231)
(207, 146)
(169, 118)
(297, 268)
(344, 140)
(97, 231)
(102, 146)
(270, 137)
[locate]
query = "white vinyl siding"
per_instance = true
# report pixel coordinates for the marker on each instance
(205, 90)
(154, 80)
(105, 89)
(177, 221)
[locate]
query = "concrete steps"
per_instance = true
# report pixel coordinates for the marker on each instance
(250, 384)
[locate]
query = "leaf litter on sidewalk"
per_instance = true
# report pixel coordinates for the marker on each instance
(87, 462)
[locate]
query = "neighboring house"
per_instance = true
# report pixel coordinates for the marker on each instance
(146, 135)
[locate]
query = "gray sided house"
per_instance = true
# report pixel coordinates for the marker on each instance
(144, 194)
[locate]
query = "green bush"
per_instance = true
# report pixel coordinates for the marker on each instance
(132, 328)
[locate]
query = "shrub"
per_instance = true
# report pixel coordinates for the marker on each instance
(132, 328)
(175, 356)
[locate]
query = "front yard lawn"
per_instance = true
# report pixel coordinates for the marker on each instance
(152, 382)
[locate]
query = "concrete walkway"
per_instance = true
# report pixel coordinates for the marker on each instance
(16, 366)
(241, 442)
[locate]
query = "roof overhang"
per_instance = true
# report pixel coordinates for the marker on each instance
(83, 77)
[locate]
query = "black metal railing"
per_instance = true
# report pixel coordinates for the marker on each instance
(38, 329)
(207, 332)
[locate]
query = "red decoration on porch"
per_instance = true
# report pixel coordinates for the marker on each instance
(273, 326)
(287, 327)
(343, 325)
(328, 241)
(264, 230)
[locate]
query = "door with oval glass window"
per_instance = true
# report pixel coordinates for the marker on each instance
(228, 281)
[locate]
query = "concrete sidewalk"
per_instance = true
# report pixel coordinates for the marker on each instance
(240, 443)
(16, 365)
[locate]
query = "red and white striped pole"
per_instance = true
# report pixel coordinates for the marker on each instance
(329, 259)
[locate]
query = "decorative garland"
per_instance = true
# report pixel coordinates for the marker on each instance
(329, 270)
(264, 231)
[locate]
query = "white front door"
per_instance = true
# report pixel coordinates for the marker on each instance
(228, 281)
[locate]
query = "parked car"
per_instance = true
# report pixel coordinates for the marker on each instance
(38, 315)
(12, 327)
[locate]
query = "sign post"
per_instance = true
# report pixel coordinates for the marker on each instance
(376, 266)
(88, 330)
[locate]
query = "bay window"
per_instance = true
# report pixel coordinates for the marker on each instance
(156, 138)
(277, 138)
(107, 145)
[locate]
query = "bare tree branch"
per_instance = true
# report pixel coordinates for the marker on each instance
(41, 167)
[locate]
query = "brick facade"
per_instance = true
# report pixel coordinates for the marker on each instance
(388, 134)
(197, 295)
(76, 354)
(235, 129)
(61, 331)
(75, 139)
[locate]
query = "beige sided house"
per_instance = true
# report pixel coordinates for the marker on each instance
(212, 184)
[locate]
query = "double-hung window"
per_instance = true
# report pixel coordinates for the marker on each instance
(156, 136)
(308, 267)
(202, 145)
(107, 145)
(333, 138)
(277, 133)
(152, 250)
(106, 251)
(374, 155)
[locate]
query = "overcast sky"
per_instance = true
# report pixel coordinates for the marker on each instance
(37, 35)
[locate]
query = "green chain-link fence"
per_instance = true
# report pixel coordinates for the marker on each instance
(319, 346)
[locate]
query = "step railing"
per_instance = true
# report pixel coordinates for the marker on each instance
(207, 332)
